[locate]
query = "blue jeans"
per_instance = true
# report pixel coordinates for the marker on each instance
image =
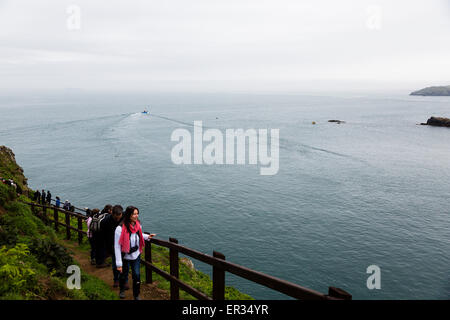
(135, 271)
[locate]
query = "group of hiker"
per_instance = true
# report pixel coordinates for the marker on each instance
(115, 233)
(66, 206)
(11, 183)
(42, 198)
(46, 198)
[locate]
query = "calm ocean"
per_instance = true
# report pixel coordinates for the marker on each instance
(372, 191)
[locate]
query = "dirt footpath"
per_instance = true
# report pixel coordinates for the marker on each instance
(148, 291)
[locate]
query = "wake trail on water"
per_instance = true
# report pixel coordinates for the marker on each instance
(294, 146)
(146, 145)
(95, 119)
(56, 125)
(175, 120)
(284, 143)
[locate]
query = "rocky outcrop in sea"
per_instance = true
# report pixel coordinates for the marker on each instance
(438, 122)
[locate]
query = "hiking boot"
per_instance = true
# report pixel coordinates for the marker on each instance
(126, 286)
(136, 290)
(103, 265)
(116, 284)
(122, 294)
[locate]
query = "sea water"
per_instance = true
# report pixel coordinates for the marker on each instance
(371, 191)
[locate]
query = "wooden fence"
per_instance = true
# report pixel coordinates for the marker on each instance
(219, 265)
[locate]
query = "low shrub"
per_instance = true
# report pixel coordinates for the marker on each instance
(7, 193)
(53, 255)
(16, 272)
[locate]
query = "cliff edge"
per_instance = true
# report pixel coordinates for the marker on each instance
(9, 169)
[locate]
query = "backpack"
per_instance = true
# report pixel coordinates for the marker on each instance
(96, 220)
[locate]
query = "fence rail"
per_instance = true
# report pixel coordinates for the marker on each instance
(217, 261)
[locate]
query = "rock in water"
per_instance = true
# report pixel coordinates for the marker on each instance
(439, 122)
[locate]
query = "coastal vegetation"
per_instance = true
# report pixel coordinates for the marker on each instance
(33, 262)
(34, 258)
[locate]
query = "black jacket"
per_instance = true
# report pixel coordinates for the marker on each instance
(108, 227)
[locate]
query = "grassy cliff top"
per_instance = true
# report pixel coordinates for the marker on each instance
(33, 262)
(9, 169)
(34, 259)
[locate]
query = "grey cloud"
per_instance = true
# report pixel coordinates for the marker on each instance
(223, 45)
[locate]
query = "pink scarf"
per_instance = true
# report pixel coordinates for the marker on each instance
(124, 240)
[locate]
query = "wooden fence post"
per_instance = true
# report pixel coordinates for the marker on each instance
(148, 258)
(219, 273)
(80, 232)
(67, 226)
(218, 279)
(55, 217)
(173, 255)
(44, 214)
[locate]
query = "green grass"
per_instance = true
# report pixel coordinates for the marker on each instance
(160, 258)
(192, 277)
(34, 264)
(33, 261)
(20, 216)
(9, 169)
(96, 289)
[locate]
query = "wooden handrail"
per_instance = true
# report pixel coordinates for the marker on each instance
(55, 220)
(192, 291)
(288, 288)
(75, 214)
(217, 261)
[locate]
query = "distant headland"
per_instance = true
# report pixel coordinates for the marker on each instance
(432, 91)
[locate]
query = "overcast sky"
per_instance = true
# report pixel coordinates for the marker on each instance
(226, 45)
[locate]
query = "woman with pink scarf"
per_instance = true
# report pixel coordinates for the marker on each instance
(129, 241)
